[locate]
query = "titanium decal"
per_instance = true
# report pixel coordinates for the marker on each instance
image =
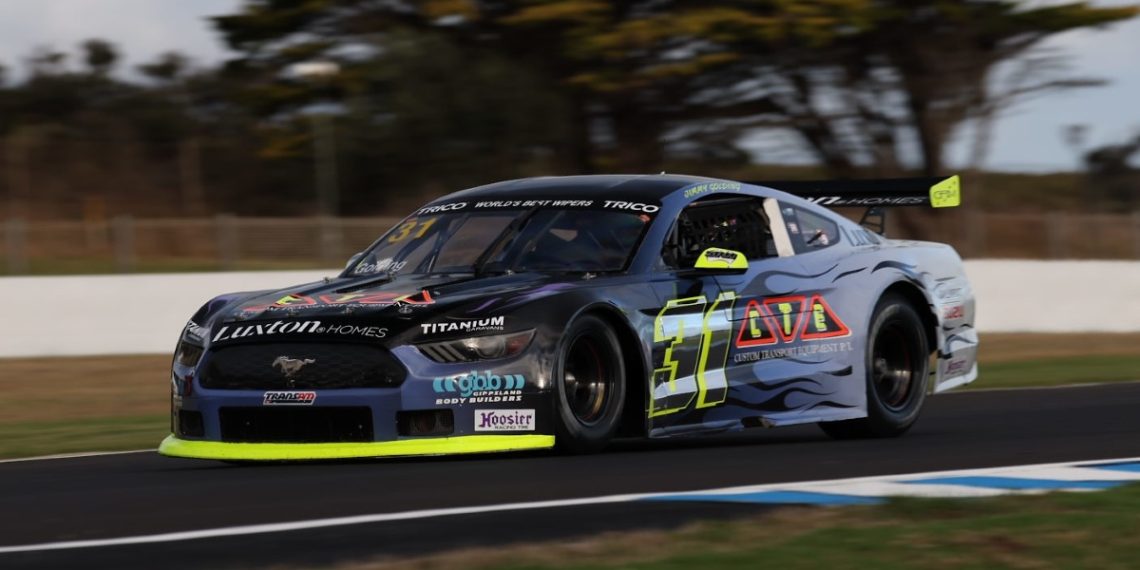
(504, 420)
(464, 325)
(289, 398)
(476, 388)
(697, 348)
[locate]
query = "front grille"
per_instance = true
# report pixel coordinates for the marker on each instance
(281, 366)
(296, 425)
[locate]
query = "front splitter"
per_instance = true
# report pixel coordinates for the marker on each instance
(226, 451)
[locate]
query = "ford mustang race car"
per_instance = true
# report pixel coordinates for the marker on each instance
(567, 311)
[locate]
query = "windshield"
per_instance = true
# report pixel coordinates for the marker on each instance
(506, 240)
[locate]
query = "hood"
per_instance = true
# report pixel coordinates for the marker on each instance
(375, 307)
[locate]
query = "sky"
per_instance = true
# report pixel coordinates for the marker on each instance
(1028, 138)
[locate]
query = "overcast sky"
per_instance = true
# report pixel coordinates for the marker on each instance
(1027, 139)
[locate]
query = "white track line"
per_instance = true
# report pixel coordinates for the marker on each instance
(76, 455)
(421, 514)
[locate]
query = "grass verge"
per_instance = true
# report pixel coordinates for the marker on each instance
(108, 403)
(1060, 530)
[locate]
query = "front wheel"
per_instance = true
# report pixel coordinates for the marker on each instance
(898, 361)
(589, 386)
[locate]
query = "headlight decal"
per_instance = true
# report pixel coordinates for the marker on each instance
(478, 348)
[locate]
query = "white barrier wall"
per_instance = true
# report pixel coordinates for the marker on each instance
(132, 314)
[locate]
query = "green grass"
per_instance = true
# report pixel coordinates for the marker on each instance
(1058, 371)
(28, 439)
(1060, 530)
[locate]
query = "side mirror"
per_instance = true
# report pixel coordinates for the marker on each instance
(717, 260)
(352, 261)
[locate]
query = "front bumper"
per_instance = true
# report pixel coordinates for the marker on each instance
(226, 451)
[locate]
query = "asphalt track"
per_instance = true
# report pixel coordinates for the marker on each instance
(143, 494)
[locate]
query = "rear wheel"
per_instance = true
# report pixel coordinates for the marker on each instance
(589, 386)
(897, 373)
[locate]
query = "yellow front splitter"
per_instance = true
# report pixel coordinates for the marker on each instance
(225, 451)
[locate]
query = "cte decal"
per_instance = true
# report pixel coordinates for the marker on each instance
(786, 319)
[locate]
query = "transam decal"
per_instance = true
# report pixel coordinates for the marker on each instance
(289, 398)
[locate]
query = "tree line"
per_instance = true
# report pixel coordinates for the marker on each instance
(421, 97)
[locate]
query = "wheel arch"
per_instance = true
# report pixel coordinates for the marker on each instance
(917, 299)
(632, 423)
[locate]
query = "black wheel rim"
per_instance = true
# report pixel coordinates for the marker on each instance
(892, 366)
(587, 380)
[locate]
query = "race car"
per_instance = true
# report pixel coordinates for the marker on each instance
(568, 311)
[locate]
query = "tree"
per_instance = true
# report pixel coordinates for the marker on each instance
(100, 56)
(863, 84)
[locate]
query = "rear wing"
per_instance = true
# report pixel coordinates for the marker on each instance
(935, 192)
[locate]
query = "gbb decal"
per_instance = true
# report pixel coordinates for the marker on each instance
(787, 319)
(474, 388)
(697, 348)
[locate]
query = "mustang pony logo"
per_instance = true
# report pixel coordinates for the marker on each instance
(291, 366)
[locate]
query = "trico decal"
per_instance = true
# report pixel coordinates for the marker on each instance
(291, 367)
(787, 319)
(384, 299)
(441, 208)
(289, 398)
(504, 420)
(632, 206)
(464, 325)
(231, 332)
(953, 312)
(696, 336)
(476, 388)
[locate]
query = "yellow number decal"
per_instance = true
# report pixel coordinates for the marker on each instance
(405, 229)
(697, 338)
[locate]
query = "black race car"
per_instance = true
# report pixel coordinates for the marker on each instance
(567, 311)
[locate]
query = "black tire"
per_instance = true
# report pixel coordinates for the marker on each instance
(898, 362)
(589, 386)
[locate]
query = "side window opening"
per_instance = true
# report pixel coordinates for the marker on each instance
(735, 224)
(809, 231)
